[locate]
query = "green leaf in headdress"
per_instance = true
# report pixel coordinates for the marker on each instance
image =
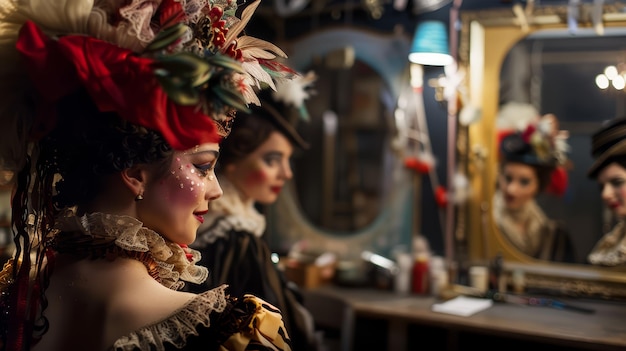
(230, 97)
(167, 37)
(183, 94)
(226, 62)
(185, 67)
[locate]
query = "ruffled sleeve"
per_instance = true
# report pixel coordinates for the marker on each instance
(214, 321)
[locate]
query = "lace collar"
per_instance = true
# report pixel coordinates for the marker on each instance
(174, 266)
(230, 212)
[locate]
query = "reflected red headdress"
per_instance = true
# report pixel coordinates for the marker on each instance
(527, 137)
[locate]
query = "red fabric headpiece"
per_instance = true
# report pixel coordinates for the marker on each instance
(117, 80)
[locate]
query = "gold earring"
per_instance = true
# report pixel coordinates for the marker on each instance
(139, 197)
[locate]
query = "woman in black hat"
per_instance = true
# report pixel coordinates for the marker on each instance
(609, 169)
(253, 167)
(529, 161)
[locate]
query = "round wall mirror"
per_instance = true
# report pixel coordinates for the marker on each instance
(341, 178)
(351, 191)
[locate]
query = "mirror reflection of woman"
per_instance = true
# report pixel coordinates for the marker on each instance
(530, 160)
(609, 169)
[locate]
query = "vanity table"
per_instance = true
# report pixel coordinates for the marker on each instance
(384, 320)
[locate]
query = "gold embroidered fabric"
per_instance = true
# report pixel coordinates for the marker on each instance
(265, 327)
(129, 234)
(610, 250)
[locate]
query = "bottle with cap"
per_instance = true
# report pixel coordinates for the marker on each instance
(420, 282)
(421, 275)
(402, 281)
(439, 278)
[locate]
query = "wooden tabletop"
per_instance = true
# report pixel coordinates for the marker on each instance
(604, 329)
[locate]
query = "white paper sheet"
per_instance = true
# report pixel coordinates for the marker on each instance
(463, 306)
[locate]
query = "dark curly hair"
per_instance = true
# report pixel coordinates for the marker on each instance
(251, 130)
(68, 167)
(87, 145)
(514, 149)
(248, 133)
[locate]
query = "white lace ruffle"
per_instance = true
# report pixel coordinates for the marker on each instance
(176, 328)
(228, 213)
(130, 234)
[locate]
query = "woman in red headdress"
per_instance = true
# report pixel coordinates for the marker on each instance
(531, 162)
(113, 112)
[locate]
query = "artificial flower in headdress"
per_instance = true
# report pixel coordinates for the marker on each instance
(293, 92)
(164, 64)
(285, 106)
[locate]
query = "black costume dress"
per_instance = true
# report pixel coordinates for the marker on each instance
(232, 248)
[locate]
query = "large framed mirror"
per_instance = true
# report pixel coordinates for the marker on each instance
(536, 58)
(351, 191)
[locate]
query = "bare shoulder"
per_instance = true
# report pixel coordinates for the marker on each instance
(103, 300)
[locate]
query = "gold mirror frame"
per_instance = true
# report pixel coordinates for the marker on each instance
(486, 38)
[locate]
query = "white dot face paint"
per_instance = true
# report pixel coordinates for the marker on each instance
(173, 206)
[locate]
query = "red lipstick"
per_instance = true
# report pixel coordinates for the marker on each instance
(199, 215)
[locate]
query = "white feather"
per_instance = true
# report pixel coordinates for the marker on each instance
(254, 69)
(294, 91)
(58, 16)
(516, 116)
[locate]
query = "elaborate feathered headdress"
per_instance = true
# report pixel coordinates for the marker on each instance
(162, 64)
(527, 137)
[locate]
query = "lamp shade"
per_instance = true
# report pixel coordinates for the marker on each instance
(430, 44)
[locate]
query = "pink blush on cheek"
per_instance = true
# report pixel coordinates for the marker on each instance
(255, 178)
(184, 183)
